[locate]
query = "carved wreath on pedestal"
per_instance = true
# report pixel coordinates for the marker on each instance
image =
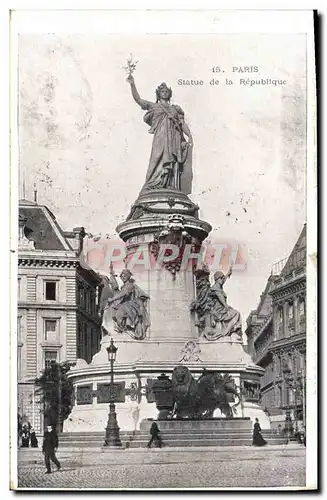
(174, 234)
(190, 352)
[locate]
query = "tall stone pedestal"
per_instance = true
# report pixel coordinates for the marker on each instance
(162, 219)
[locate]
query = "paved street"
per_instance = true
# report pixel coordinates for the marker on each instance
(275, 466)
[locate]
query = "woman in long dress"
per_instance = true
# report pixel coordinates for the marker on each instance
(34, 441)
(170, 160)
(257, 436)
(25, 436)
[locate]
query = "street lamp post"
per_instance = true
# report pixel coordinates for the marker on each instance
(303, 396)
(295, 386)
(288, 383)
(112, 429)
(294, 389)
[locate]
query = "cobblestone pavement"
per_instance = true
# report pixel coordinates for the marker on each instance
(173, 468)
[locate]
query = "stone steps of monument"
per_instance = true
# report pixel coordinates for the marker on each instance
(173, 443)
(241, 438)
(69, 435)
(180, 443)
(166, 435)
(216, 423)
(171, 439)
(98, 434)
(172, 432)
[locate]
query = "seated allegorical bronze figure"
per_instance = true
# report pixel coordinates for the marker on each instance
(127, 307)
(215, 318)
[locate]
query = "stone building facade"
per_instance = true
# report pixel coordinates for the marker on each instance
(57, 297)
(276, 334)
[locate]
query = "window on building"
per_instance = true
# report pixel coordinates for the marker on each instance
(279, 366)
(289, 396)
(290, 311)
(50, 330)
(81, 347)
(93, 308)
(88, 344)
(49, 358)
(81, 296)
(301, 308)
(50, 290)
(19, 362)
(79, 341)
(19, 328)
(87, 301)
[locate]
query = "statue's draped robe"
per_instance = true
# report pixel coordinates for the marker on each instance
(129, 311)
(109, 289)
(202, 297)
(167, 153)
(224, 314)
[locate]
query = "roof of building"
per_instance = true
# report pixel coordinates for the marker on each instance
(41, 227)
(297, 257)
(260, 315)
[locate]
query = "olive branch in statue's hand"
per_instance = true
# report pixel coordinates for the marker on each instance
(130, 68)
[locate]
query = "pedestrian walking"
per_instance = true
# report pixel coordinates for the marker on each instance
(155, 435)
(19, 429)
(25, 436)
(257, 436)
(34, 441)
(49, 448)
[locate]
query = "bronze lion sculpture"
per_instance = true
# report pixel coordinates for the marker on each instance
(199, 399)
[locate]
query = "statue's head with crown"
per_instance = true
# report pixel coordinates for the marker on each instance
(163, 92)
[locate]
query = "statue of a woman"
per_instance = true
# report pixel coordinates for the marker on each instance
(171, 156)
(109, 289)
(216, 318)
(128, 308)
(201, 305)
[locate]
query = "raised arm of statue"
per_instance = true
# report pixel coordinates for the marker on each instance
(229, 273)
(112, 279)
(136, 96)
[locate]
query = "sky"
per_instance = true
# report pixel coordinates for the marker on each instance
(83, 142)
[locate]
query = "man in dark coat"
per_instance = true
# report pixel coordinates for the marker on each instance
(19, 427)
(50, 445)
(155, 435)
